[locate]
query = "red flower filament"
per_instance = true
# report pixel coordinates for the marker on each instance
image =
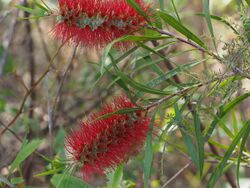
(101, 144)
(95, 23)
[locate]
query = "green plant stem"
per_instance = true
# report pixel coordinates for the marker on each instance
(228, 174)
(183, 40)
(185, 91)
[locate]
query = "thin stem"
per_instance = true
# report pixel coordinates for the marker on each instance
(176, 175)
(27, 94)
(163, 32)
(185, 91)
(228, 174)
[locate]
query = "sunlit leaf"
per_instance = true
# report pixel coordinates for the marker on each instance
(26, 150)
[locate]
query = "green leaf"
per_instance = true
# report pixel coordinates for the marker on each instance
(59, 140)
(35, 12)
(153, 62)
(122, 57)
(17, 180)
(235, 124)
(2, 105)
(104, 58)
(116, 79)
(146, 61)
(50, 172)
(68, 181)
(223, 163)
(147, 164)
(26, 150)
(242, 146)
(186, 137)
(175, 10)
(120, 82)
(151, 50)
(27, 9)
(224, 125)
(246, 24)
(138, 9)
(9, 64)
(169, 74)
(133, 38)
(161, 4)
(31, 17)
(223, 83)
(157, 49)
(45, 9)
(122, 111)
(248, 2)
(135, 84)
(217, 144)
(222, 112)
(200, 142)
(140, 86)
(208, 20)
(117, 176)
(181, 28)
(217, 18)
(226, 129)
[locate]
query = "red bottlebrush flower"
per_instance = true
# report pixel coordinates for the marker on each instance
(95, 23)
(101, 144)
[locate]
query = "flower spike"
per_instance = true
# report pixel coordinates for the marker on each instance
(95, 23)
(100, 144)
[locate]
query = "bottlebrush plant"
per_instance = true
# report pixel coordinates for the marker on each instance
(186, 72)
(95, 23)
(101, 144)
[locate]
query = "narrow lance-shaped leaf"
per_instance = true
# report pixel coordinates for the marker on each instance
(135, 84)
(169, 74)
(148, 154)
(175, 10)
(117, 176)
(140, 86)
(242, 146)
(108, 48)
(208, 20)
(186, 137)
(26, 150)
(181, 28)
(138, 9)
(248, 2)
(214, 17)
(161, 4)
(67, 181)
(200, 141)
(44, 8)
(223, 112)
(223, 163)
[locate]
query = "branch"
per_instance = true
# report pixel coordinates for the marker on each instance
(185, 91)
(27, 94)
(11, 131)
(51, 108)
(228, 174)
(242, 73)
(183, 40)
(176, 175)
